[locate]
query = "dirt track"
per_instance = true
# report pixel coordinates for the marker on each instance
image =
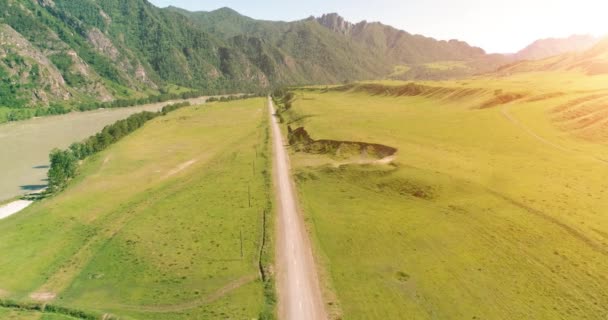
(212, 297)
(298, 285)
(508, 116)
(505, 112)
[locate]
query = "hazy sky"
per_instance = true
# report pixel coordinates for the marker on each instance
(495, 25)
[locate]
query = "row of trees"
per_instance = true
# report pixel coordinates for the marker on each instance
(19, 114)
(172, 107)
(64, 163)
(283, 98)
(122, 103)
(233, 98)
(25, 113)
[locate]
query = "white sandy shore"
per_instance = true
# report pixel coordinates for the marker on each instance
(13, 207)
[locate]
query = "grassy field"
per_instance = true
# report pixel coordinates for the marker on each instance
(399, 70)
(8, 314)
(495, 207)
(446, 65)
(165, 224)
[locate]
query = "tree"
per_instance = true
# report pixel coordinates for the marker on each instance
(63, 167)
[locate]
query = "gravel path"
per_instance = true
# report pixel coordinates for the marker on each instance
(298, 284)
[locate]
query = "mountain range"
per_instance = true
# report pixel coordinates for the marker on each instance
(66, 51)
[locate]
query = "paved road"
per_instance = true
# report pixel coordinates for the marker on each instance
(298, 285)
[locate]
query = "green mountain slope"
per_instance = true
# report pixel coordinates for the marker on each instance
(352, 51)
(302, 51)
(63, 53)
(90, 50)
(227, 23)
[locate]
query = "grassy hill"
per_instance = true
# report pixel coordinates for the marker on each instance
(593, 61)
(545, 48)
(493, 207)
(165, 224)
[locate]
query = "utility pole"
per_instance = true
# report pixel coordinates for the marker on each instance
(241, 232)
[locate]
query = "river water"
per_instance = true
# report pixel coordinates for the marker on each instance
(25, 145)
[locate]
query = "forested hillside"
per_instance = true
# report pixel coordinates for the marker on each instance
(64, 54)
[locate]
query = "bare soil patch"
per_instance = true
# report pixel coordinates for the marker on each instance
(578, 101)
(411, 90)
(301, 141)
(180, 168)
(500, 99)
(43, 296)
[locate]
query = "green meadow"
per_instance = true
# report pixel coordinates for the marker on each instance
(446, 65)
(165, 224)
(494, 207)
(9, 314)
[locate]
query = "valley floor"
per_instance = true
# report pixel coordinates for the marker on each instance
(493, 208)
(165, 224)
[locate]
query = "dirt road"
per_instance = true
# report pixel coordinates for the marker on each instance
(298, 285)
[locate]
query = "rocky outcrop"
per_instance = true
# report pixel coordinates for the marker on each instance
(12, 41)
(336, 23)
(105, 46)
(46, 3)
(94, 86)
(301, 141)
(106, 17)
(102, 43)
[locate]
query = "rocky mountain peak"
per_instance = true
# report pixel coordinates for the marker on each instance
(336, 23)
